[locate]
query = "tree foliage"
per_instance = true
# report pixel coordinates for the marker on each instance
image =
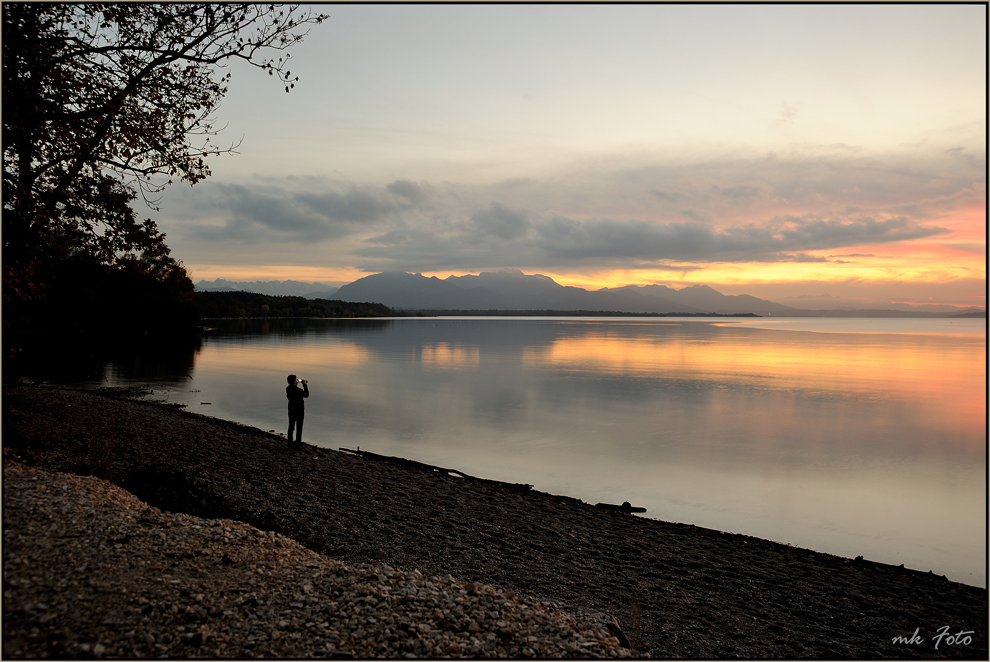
(103, 103)
(146, 298)
(251, 304)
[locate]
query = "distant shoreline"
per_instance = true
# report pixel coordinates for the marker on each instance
(865, 314)
(559, 313)
(412, 313)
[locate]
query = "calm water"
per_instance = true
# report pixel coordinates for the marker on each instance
(854, 437)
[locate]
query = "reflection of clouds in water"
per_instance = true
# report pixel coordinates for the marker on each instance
(833, 395)
(446, 356)
(518, 374)
(764, 432)
(896, 325)
(831, 368)
(245, 360)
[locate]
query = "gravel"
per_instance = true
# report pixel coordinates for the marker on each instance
(92, 571)
(606, 579)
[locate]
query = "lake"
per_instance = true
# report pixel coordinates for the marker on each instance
(847, 436)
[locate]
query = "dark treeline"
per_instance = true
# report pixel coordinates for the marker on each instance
(93, 305)
(252, 304)
(137, 298)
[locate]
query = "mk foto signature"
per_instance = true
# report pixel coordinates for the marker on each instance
(960, 638)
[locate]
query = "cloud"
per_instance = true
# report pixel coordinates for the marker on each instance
(611, 215)
(249, 206)
(568, 239)
(409, 193)
(777, 240)
(501, 222)
(739, 191)
(558, 241)
(815, 233)
(675, 197)
(352, 205)
(252, 214)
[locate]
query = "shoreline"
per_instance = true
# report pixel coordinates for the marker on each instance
(675, 590)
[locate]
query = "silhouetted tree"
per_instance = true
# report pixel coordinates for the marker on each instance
(105, 102)
(251, 304)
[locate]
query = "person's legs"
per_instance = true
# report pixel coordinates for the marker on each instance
(299, 423)
(292, 424)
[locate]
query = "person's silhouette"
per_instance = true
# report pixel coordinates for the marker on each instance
(297, 409)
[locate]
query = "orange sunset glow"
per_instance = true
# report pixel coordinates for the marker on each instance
(780, 178)
(939, 368)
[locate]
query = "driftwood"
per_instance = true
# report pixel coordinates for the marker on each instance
(521, 487)
(896, 568)
(624, 508)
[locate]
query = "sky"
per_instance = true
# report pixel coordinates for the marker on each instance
(798, 151)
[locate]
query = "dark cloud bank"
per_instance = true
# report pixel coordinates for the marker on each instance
(499, 235)
(416, 226)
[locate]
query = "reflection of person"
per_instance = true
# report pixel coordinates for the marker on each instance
(297, 409)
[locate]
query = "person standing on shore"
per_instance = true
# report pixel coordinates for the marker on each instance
(297, 408)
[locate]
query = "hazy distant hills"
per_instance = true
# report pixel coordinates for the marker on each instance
(703, 298)
(514, 290)
(271, 287)
(825, 303)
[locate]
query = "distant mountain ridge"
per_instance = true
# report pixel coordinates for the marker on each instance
(270, 287)
(826, 303)
(511, 289)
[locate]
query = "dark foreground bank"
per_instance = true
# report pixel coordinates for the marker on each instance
(676, 590)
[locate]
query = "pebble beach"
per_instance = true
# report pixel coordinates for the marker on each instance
(133, 529)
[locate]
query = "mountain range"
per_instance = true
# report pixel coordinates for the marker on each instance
(511, 289)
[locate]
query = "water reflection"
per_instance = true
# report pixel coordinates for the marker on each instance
(279, 329)
(446, 356)
(66, 361)
(849, 443)
(933, 373)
